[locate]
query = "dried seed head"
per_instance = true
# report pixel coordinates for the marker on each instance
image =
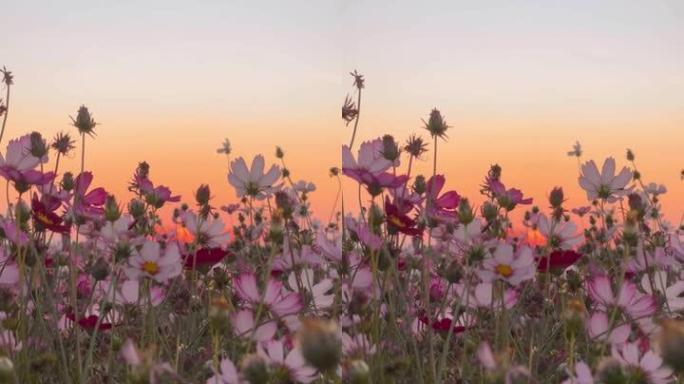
(62, 143)
(349, 110)
(359, 81)
(415, 146)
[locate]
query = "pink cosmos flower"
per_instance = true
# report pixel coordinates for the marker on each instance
(370, 160)
(153, 262)
(649, 363)
(636, 304)
(227, 374)
(88, 204)
(512, 267)
(674, 302)
(280, 302)
(370, 169)
(133, 357)
(357, 346)
(209, 232)
(243, 325)
(441, 207)
(483, 296)
(321, 297)
(273, 352)
(582, 374)
(13, 233)
(128, 292)
(507, 198)
(361, 230)
(9, 272)
(253, 182)
(486, 357)
(559, 234)
(599, 328)
(18, 164)
(605, 185)
(155, 196)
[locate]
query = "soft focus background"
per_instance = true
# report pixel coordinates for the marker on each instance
(518, 81)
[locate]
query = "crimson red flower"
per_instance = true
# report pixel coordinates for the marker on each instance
(443, 325)
(558, 260)
(204, 257)
(399, 222)
(44, 216)
(89, 322)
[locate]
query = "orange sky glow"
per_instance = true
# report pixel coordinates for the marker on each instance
(518, 83)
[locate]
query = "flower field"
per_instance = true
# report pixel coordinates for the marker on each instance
(419, 285)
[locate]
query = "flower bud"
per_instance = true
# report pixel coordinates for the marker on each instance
(630, 155)
(609, 371)
(436, 124)
(112, 211)
(39, 147)
(465, 212)
(672, 344)
(100, 270)
(489, 211)
(321, 344)
(136, 208)
(390, 149)
(84, 121)
(279, 152)
(556, 197)
(419, 185)
(6, 370)
(203, 194)
(359, 372)
(67, 181)
(254, 369)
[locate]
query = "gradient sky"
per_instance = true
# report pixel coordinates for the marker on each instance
(519, 81)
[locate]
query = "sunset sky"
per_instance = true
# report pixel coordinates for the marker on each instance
(519, 82)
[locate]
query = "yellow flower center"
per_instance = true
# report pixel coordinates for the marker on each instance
(396, 222)
(43, 218)
(150, 267)
(504, 270)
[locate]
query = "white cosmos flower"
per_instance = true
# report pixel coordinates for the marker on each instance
(253, 182)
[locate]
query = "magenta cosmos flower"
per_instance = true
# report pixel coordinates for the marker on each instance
(18, 165)
(605, 185)
(441, 207)
(511, 266)
(636, 304)
(279, 302)
(153, 262)
(155, 196)
(253, 182)
(507, 198)
(369, 168)
(88, 203)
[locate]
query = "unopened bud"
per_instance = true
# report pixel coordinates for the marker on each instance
(321, 344)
